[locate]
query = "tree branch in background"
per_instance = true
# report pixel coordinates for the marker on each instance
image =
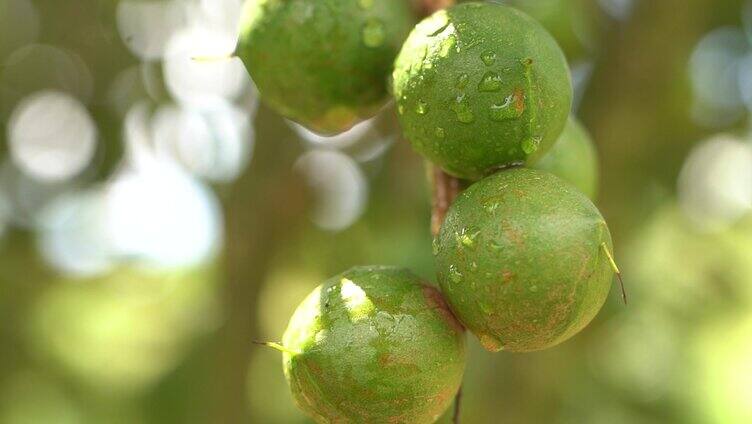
(263, 209)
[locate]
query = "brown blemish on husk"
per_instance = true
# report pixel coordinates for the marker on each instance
(519, 101)
(387, 359)
(512, 234)
(507, 276)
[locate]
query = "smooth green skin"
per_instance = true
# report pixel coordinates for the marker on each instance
(464, 125)
(374, 345)
(520, 260)
(323, 63)
(574, 158)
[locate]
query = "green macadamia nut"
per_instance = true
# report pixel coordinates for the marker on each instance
(323, 63)
(523, 260)
(574, 158)
(374, 345)
(481, 86)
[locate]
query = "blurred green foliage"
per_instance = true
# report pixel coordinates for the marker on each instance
(138, 344)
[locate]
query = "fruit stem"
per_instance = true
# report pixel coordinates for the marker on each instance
(616, 271)
(276, 346)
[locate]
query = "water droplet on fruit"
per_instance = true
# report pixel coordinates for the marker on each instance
(373, 33)
(421, 108)
(463, 111)
(512, 108)
(462, 81)
(491, 207)
(490, 82)
(440, 133)
(488, 57)
(365, 4)
(454, 274)
(530, 145)
(401, 109)
(466, 237)
(502, 112)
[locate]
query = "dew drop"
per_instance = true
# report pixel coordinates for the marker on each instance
(490, 82)
(462, 81)
(463, 111)
(421, 108)
(491, 207)
(454, 274)
(534, 289)
(373, 33)
(530, 145)
(401, 109)
(488, 57)
(512, 108)
(466, 237)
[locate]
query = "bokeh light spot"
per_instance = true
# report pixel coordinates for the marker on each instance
(51, 135)
(340, 186)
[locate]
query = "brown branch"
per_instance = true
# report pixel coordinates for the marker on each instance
(262, 212)
(445, 190)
